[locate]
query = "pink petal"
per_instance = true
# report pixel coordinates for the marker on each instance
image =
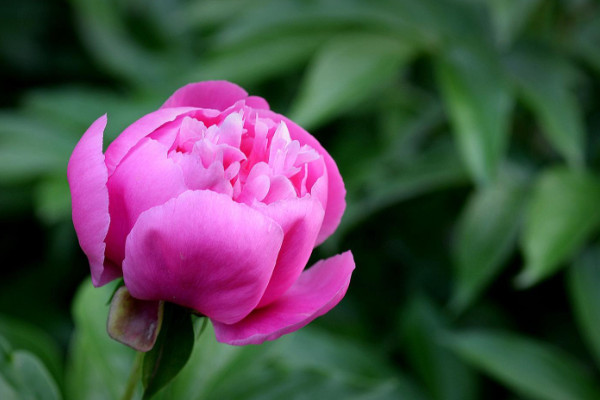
(317, 291)
(144, 179)
(87, 177)
(218, 95)
(204, 251)
(135, 132)
(336, 192)
(300, 220)
(257, 103)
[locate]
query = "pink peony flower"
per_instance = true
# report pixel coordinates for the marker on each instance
(215, 203)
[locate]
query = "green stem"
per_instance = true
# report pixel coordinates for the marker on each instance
(134, 377)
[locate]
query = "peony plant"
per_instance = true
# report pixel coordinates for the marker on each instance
(213, 203)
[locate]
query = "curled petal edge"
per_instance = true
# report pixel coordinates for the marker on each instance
(317, 291)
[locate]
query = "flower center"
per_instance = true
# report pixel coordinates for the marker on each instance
(249, 158)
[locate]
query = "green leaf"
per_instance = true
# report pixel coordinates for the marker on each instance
(106, 35)
(509, 17)
(24, 336)
(261, 60)
(562, 214)
(479, 103)
(545, 82)
(53, 200)
(24, 377)
(584, 284)
(98, 367)
(485, 236)
(73, 109)
(531, 368)
(257, 23)
(323, 365)
(346, 71)
(445, 376)
(584, 39)
(386, 184)
(30, 147)
(171, 351)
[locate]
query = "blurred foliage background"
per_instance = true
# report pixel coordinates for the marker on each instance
(468, 134)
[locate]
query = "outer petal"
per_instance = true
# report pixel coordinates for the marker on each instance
(87, 177)
(317, 291)
(257, 102)
(204, 251)
(218, 95)
(301, 221)
(135, 132)
(336, 192)
(146, 178)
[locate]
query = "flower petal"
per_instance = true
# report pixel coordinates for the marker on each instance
(144, 179)
(317, 291)
(257, 102)
(135, 132)
(218, 95)
(336, 192)
(87, 178)
(204, 251)
(300, 220)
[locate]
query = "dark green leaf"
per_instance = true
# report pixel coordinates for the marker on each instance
(546, 84)
(479, 103)
(562, 213)
(171, 351)
(584, 290)
(257, 23)
(509, 17)
(584, 39)
(445, 376)
(486, 234)
(533, 369)
(261, 60)
(384, 185)
(347, 70)
(105, 33)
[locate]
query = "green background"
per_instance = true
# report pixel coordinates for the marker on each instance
(468, 135)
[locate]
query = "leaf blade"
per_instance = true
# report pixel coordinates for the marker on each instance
(347, 70)
(532, 368)
(562, 213)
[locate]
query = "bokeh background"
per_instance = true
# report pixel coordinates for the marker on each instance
(468, 134)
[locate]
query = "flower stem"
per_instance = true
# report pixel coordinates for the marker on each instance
(134, 377)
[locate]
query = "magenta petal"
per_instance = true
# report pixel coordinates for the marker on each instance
(137, 131)
(317, 291)
(144, 179)
(218, 95)
(301, 221)
(87, 178)
(336, 192)
(257, 102)
(204, 251)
